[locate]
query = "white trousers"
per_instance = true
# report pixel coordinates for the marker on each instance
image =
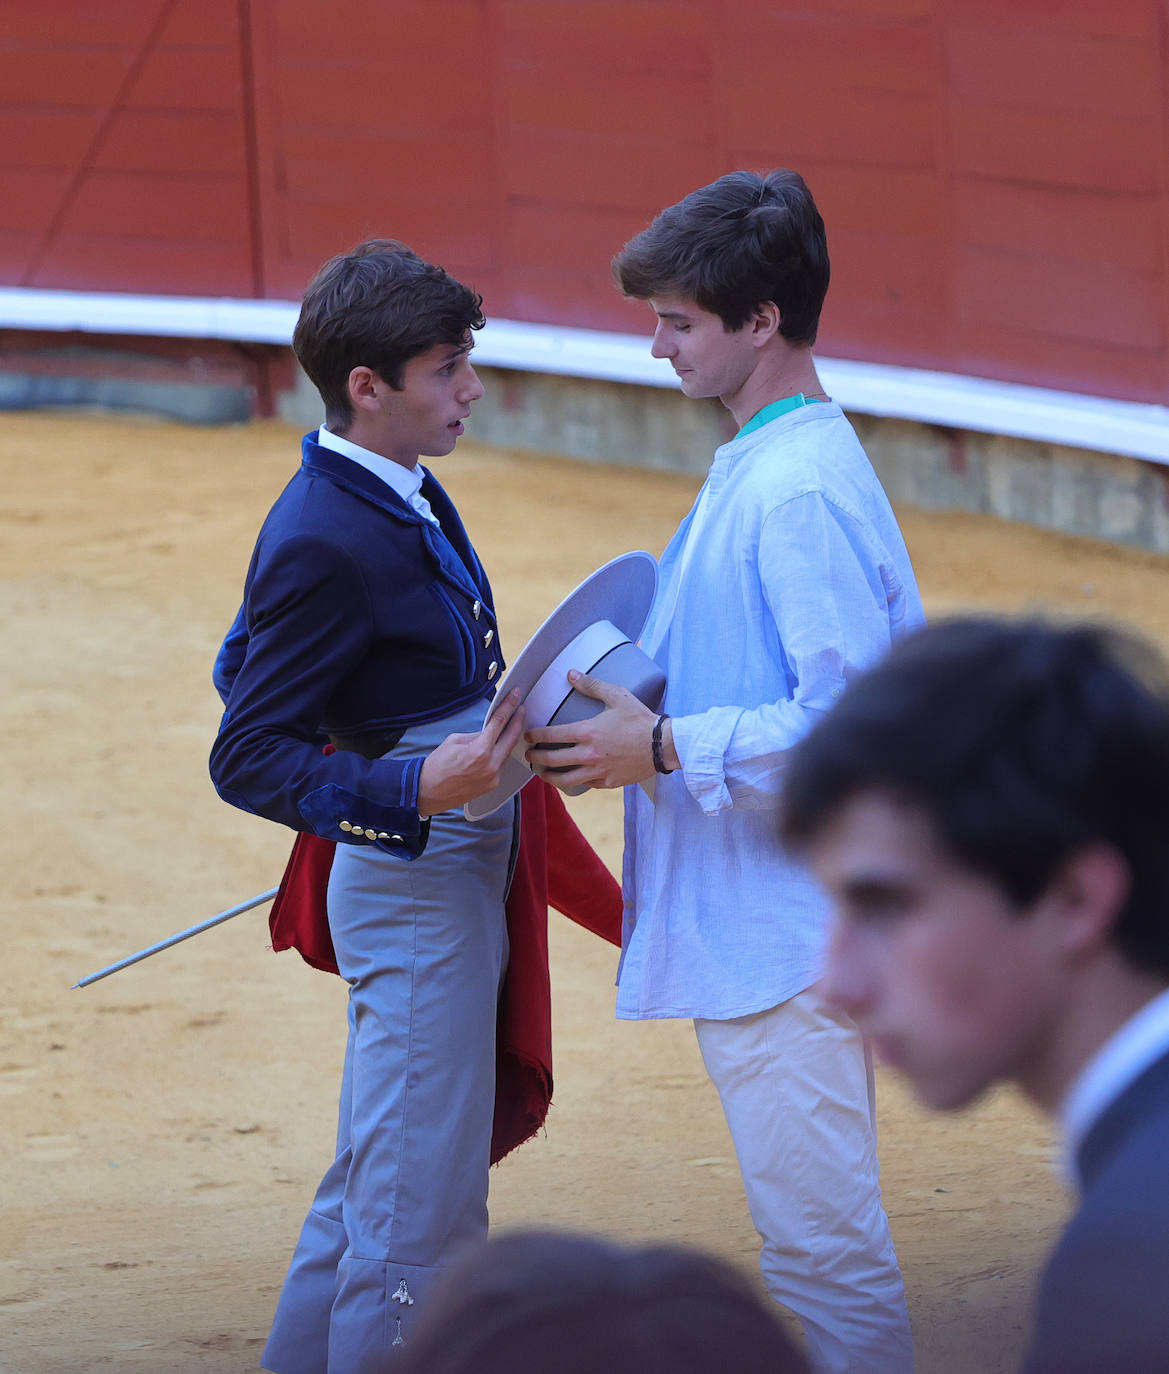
(796, 1088)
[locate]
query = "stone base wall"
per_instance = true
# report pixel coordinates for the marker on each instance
(1054, 486)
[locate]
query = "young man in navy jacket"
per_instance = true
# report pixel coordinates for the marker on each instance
(367, 623)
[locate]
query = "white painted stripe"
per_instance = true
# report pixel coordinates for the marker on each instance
(184, 317)
(938, 398)
(1028, 412)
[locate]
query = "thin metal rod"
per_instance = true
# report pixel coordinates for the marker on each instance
(175, 939)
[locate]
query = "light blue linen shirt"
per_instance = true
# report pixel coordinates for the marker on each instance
(787, 578)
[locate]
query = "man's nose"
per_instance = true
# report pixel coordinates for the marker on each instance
(662, 346)
(846, 980)
(472, 387)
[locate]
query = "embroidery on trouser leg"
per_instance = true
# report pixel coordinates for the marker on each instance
(403, 1295)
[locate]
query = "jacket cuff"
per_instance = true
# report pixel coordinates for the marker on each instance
(336, 813)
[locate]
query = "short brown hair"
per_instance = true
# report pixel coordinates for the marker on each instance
(571, 1304)
(377, 306)
(741, 241)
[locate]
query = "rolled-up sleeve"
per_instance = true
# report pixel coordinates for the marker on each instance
(822, 586)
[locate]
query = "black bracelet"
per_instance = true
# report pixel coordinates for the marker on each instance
(656, 746)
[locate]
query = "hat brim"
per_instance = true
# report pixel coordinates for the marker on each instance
(621, 592)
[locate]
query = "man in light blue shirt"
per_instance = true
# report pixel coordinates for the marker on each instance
(787, 578)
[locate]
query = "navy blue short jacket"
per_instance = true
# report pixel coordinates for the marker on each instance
(358, 615)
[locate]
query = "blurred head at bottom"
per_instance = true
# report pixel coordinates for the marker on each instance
(550, 1303)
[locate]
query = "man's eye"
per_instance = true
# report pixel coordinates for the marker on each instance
(879, 911)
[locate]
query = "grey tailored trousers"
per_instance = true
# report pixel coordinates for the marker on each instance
(423, 946)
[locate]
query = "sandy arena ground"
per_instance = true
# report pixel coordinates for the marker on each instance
(163, 1130)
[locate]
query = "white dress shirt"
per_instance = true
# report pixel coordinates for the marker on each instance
(405, 481)
(788, 576)
(1120, 1061)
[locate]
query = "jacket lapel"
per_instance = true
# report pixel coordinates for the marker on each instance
(452, 526)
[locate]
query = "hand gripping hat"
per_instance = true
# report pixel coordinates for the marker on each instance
(595, 630)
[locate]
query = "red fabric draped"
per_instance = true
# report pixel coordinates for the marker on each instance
(555, 866)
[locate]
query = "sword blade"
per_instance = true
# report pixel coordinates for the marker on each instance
(175, 939)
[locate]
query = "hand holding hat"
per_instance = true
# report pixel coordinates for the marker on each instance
(466, 766)
(612, 749)
(593, 632)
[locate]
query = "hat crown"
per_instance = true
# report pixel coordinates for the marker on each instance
(608, 609)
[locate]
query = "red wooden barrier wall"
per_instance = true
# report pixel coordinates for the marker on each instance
(994, 175)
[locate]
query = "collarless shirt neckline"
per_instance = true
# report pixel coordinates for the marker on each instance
(775, 410)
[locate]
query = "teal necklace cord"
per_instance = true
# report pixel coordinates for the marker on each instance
(775, 410)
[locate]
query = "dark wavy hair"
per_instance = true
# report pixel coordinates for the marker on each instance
(569, 1304)
(1022, 742)
(377, 306)
(741, 241)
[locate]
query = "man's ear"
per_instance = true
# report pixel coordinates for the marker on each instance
(365, 388)
(1086, 895)
(764, 323)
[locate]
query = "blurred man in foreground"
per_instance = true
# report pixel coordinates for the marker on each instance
(989, 808)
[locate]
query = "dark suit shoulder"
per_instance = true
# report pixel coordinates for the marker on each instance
(1104, 1297)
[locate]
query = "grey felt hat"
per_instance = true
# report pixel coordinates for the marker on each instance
(595, 630)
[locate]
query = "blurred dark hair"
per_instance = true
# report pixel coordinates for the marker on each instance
(377, 306)
(546, 1303)
(742, 240)
(1022, 742)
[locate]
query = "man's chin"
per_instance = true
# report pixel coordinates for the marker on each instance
(945, 1093)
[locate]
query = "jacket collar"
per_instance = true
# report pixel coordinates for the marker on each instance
(448, 545)
(343, 472)
(1143, 1095)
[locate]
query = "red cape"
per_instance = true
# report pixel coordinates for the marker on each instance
(555, 866)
